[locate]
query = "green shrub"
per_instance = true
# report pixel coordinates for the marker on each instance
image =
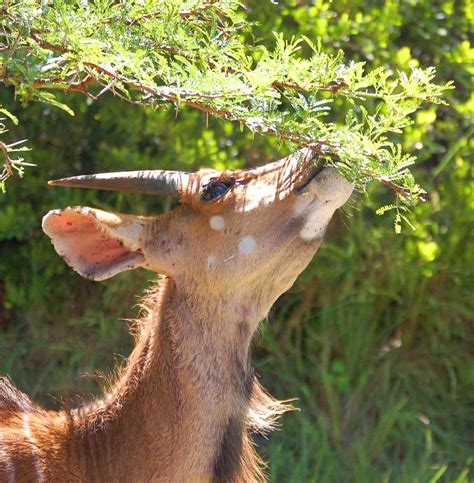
(375, 339)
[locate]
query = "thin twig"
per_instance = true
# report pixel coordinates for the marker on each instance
(7, 169)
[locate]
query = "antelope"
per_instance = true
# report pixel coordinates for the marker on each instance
(184, 406)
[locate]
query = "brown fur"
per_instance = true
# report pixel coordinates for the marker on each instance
(86, 442)
(184, 406)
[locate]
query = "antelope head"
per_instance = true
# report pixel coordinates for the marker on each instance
(184, 405)
(241, 237)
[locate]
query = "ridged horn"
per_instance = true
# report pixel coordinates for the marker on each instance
(151, 182)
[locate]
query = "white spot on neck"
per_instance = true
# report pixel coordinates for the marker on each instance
(217, 222)
(247, 245)
(211, 261)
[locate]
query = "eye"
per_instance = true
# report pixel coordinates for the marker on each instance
(216, 188)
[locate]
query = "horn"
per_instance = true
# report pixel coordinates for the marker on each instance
(151, 182)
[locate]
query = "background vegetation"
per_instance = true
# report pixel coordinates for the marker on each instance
(376, 338)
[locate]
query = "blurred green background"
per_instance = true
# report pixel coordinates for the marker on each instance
(376, 339)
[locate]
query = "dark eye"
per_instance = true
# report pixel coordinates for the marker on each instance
(216, 188)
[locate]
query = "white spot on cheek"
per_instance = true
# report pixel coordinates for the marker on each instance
(217, 222)
(247, 245)
(211, 261)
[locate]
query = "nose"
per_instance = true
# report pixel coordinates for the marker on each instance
(331, 187)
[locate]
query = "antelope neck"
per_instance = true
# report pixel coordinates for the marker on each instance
(186, 389)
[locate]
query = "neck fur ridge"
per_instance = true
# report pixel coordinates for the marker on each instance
(188, 397)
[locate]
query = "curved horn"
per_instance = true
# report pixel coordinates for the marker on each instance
(151, 182)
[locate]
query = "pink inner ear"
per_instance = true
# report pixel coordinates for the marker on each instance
(88, 245)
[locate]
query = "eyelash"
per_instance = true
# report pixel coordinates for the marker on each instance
(216, 188)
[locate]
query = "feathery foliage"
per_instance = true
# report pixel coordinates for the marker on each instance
(194, 53)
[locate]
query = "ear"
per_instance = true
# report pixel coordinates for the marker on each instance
(96, 244)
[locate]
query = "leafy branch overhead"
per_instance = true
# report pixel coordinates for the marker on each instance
(192, 53)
